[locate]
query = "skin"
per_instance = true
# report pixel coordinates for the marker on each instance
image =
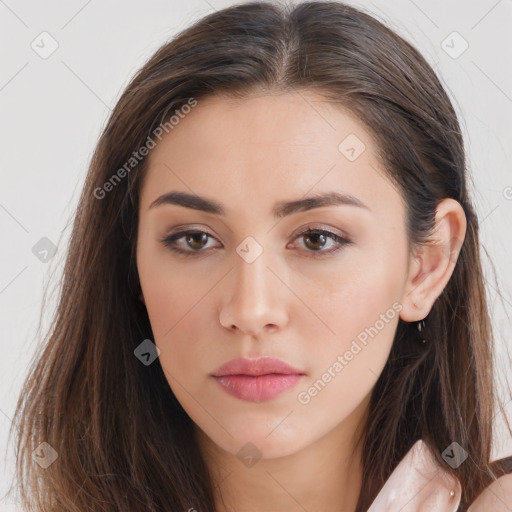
(497, 497)
(210, 308)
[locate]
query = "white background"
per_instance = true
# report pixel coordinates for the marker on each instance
(52, 111)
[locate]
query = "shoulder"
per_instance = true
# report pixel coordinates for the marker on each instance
(496, 497)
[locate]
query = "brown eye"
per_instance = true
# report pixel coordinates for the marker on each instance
(197, 240)
(317, 240)
(194, 241)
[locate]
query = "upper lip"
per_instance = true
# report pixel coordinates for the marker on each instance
(255, 367)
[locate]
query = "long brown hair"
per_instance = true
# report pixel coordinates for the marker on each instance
(123, 440)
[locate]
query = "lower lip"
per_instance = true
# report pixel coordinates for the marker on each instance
(257, 389)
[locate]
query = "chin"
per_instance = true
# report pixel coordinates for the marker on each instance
(257, 443)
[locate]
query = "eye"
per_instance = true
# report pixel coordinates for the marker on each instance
(315, 241)
(194, 239)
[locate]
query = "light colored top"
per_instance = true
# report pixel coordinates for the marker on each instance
(417, 484)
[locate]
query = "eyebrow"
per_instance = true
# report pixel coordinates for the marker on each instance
(281, 208)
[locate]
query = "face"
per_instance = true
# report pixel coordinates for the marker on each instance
(318, 288)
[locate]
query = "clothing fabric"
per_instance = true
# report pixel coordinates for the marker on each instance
(417, 484)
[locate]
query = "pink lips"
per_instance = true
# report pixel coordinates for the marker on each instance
(256, 380)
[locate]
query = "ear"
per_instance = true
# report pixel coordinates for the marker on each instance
(432, 263)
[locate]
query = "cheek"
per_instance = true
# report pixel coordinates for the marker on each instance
(175, 307)
(345, 366)
(169, 290)
(360, 311)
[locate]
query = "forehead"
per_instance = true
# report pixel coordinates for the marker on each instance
(265, 147)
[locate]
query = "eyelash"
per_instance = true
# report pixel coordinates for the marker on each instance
(171, 240)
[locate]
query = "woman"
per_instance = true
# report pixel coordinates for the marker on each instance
(273, 297)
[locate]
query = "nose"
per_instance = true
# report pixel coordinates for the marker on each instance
(255, 299)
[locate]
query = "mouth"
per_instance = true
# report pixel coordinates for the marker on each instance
(258, 388)
(257, 380)
(256, 367)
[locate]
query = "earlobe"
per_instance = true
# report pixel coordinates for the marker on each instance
(434, 262)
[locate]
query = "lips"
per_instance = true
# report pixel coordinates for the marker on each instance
(257, 380)
(256, 367)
